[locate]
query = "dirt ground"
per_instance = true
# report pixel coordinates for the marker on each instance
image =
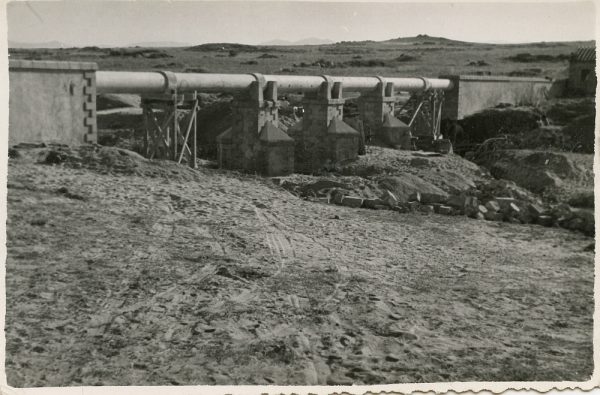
(212, 277)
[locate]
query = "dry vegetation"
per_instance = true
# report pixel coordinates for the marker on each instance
(416, 56)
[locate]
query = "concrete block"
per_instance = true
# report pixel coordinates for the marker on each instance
(426, 208)
(505, 202)
(472, 201)
(389, 198)
(482, 209)
(429, 198)
(401, 209)
(535, 210)
(493, 216)
(372, 203)
(338, 196)
(545, 220)
(413, 205)
(414, 197)
(493, 206)
(513, 208)
(457, 201)
(445, 210)
(352, 201)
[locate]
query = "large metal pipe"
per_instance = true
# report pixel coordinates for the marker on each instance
(158, 82)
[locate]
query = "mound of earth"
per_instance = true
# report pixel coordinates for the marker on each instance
(401, 172)
(564, 110)
(100, 159)
(558, 176)
(493, 122)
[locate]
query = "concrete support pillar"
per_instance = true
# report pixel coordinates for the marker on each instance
(322, 136)
(377, 112)
(255, 123)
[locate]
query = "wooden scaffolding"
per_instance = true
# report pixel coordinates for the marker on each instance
(170, 122)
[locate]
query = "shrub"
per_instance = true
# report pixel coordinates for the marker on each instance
(267, 56)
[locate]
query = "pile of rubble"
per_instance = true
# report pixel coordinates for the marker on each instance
(497, 200)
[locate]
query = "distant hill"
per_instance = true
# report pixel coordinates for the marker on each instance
(160, 44)
(223, 47)
(305, 41)
(425, 39)
(47, 44)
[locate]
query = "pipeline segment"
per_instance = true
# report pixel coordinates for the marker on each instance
(160, 82)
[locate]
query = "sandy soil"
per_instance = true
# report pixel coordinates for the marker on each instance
(211, 277)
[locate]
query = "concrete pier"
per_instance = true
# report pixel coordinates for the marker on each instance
(322, 136)
(255, 133)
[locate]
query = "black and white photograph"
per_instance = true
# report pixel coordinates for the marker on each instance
(312, 196)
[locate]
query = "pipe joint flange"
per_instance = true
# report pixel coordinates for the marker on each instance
(257, 89)
(384, 88)
(329, 88)
(382, 82)
(328, 79)
(426, 84)
(170, 81)
(260, 79)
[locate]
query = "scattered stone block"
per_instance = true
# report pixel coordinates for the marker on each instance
(505, 202)
(513, 208)
(338, 196)
(352, 201)
(323, 200)
(372, 203)
(381, 207)
(574, 224)
(457, 201)
(545, 220)
(389, 198)
(482, 209)
(414, 197)
(493, 206)
(429, 198)
(471, 201)
(413, 205)
(445, 210)
(493, 216)
(535, 210)
(426, 208)
(401, 209)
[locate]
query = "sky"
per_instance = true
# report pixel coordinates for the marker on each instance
(81, 23)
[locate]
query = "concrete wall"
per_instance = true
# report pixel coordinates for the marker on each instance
(582, 78)
(471, 94)
(52, 102)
